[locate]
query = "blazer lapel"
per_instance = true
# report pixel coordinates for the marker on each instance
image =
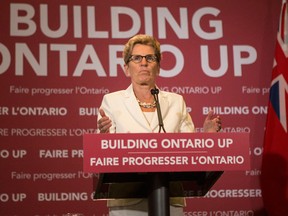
(134, 109)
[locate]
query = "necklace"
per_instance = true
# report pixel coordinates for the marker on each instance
(146, 105)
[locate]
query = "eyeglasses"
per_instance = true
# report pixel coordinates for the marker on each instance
(138, 58)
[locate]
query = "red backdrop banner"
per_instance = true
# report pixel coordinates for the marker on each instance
(58, 59)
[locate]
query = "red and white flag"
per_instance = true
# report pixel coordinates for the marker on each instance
(274, 176)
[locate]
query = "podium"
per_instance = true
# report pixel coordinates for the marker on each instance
(161, 166)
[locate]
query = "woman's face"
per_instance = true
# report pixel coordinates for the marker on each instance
(143, 72)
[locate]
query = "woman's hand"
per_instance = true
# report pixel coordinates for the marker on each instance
(211, 123)
(104, 123)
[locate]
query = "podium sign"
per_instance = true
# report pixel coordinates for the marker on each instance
(165, 152)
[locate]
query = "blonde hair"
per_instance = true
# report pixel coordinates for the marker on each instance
(141, 39)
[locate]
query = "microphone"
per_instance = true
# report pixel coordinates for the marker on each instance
(155, 93)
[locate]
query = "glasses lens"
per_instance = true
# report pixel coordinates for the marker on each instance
(150, 58)
(135, 58)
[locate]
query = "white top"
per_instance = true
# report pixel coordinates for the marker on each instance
(149, 116)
